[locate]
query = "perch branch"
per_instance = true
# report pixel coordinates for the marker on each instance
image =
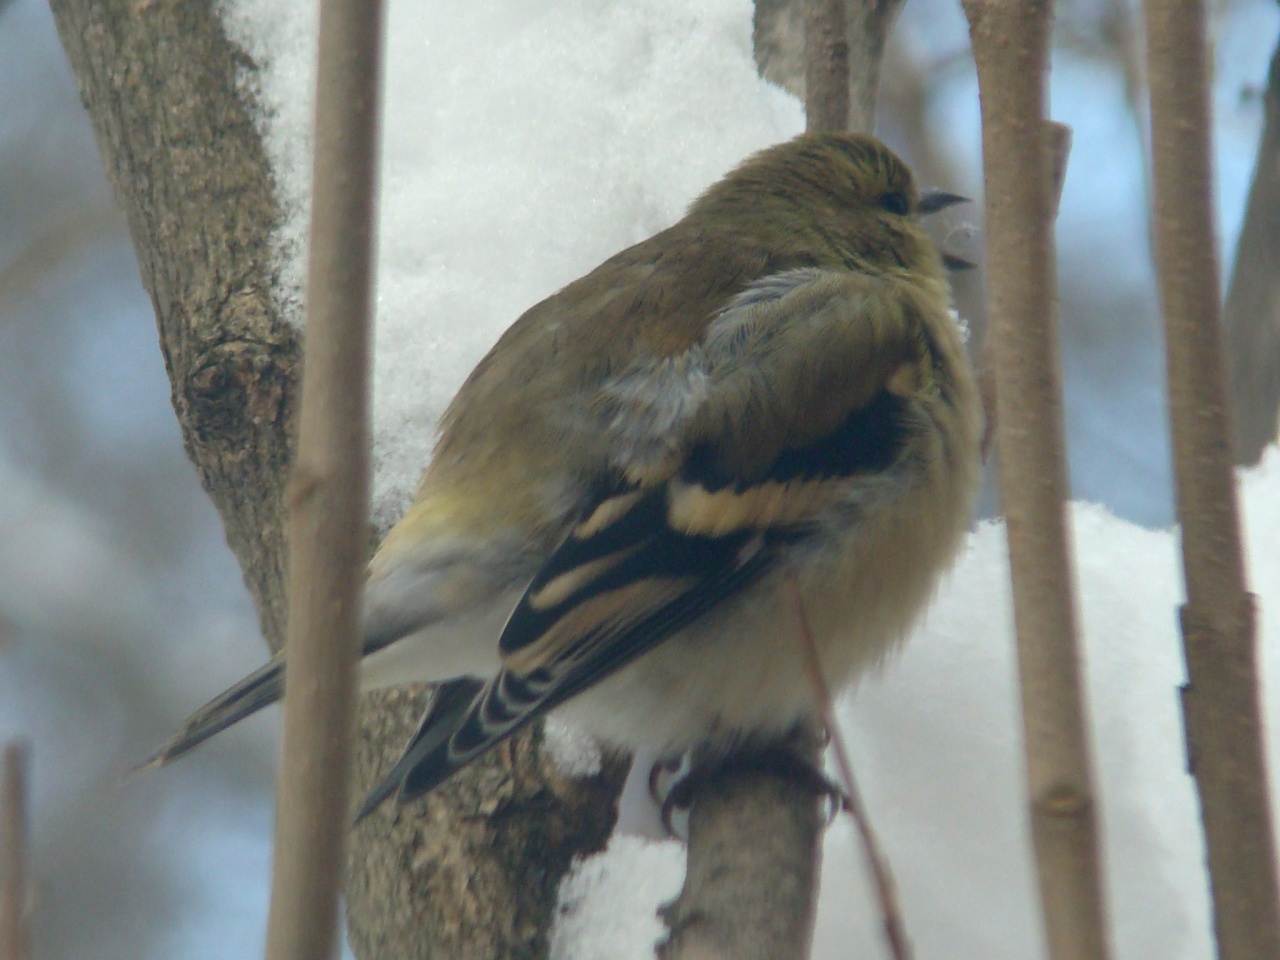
(174, 119)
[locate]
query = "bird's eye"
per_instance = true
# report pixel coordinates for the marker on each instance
(896, 203)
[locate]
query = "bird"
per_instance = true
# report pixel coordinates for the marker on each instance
(772, 394)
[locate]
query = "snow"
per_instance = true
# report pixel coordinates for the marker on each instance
(524, 143)
(936, 747)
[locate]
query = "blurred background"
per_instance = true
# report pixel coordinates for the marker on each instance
(121, 607)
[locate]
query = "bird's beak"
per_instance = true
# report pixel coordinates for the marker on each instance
(931, 201)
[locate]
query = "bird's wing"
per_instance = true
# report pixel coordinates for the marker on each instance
(683, 520)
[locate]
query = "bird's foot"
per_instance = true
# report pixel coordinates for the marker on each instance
(778, 759)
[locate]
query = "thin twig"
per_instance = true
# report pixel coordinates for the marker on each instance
(1059, 135)
(328, 497)
(1221, 703)
(14, 937)
(895, 930)
(1010, 46)
(826, 75)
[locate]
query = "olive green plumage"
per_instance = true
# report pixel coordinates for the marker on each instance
(772, 391)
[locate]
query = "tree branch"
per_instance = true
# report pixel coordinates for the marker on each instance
(826, 63)
(174, 121)
(1010, 46)
(329, 503)
(851, 45)
(1221, 700)
(187, 166)
(15, 941)
(755, 845)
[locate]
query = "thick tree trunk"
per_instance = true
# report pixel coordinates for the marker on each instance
(473, 872)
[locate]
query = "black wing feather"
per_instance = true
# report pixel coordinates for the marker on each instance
(633, 572)
(448, 705)
(721, 567)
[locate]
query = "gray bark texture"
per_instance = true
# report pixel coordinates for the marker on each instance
(473, 872)
(755, 846)
(779, 39)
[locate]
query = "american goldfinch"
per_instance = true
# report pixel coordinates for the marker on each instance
(771, 392)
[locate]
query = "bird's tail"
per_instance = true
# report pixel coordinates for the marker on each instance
(421, 757)
(260, 689)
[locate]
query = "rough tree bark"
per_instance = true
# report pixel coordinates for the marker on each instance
(472, 872)
(752, 899)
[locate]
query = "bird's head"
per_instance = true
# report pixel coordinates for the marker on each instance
(844, 199)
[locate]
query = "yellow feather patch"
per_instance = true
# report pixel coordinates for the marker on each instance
(605, 514)
(604, 612)
(694, 509)
(561, 588)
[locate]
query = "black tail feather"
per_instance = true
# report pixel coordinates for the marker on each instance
(260, 689)
(425, 756)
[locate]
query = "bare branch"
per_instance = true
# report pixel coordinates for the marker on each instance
(1059, 135)
(1221, 702)
(782, 54)
(187, 166)
(754, 852)
(329, 506)
(868, 23)
(1010, 44)
(826, 59)
(166, 95)
(14, 937)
